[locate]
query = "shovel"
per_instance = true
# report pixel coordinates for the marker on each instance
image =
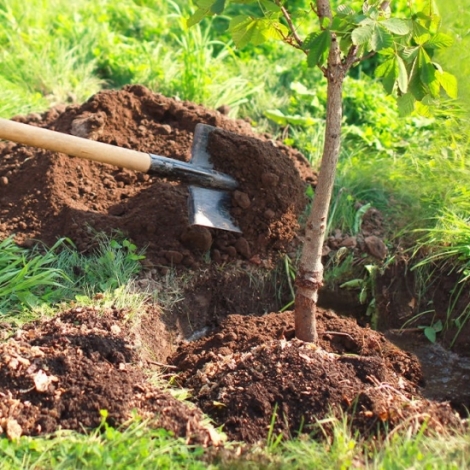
(209, 197)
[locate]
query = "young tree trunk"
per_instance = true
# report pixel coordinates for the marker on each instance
(310, 273)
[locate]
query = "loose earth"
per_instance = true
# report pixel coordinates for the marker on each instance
(243, 367)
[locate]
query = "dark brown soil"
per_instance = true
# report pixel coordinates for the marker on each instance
(45, 196)
(60, 373)
(251, 369)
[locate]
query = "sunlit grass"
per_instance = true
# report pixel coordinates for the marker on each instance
(27, 278)
(456, 19)
(46, 51)
(138, 446)
(40, 281)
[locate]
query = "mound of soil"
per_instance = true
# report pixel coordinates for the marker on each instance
(60, 373)
(251, 369)
(45, 195)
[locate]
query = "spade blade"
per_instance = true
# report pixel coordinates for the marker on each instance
(211, 208)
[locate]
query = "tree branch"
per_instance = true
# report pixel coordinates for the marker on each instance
(365, 57)
(287, 17)
(351, 58)
(323, 9)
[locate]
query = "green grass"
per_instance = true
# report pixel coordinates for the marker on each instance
(138, 446)
(27, 278)
(38, 281)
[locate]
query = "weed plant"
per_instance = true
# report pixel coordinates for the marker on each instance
(36, 280)
(27, 278)
(110, 266)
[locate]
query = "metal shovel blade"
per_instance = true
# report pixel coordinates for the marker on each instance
(209, 197)
(210, 208)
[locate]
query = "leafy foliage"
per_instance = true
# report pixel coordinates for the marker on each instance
(406, 45)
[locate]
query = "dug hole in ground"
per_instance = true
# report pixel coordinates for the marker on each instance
(224, 340)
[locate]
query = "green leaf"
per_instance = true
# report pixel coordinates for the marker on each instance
(343, 25)
(371, 308)
(319, 48)
(325, 22)
(204, 4)
(301, 89)
(345, 10)
(270, 29)
(420, 33)
(276, 116)
(218, 7)
(115, 244)
(381, 39)
(245, 29)
(345, 44)
(363, 295)
(448, 82)
(430, 334)
(415, 85)
(423, 109)
(430, 13)
(282, 119)
(410, 53)
(196, 17)
(440, 41)
(270, 6)
(352, 284)
(405, 104)
(297, 120)
(427, 73)
(242, 29)
(388, 71)
(397, 26)
(362, 35)
(402, 75)
(205, 8)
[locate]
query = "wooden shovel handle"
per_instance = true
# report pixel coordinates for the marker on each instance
(75, 146)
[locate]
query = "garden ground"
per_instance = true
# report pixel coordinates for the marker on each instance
(243, 369)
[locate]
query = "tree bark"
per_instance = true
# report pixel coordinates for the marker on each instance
(310, 273)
